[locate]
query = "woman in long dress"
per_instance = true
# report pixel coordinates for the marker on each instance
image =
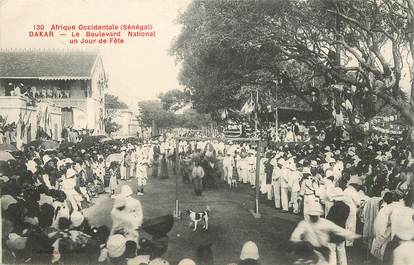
(141, 171)
(122, 167)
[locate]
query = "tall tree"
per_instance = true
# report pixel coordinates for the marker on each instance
(336, 49)
(152, 110)
(113, 102)
(174, 99)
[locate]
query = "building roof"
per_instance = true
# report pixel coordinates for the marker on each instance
(47, 64)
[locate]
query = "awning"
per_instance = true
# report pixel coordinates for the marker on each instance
(64, 78)
(48, 77)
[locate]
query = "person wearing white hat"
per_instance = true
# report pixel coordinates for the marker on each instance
(290, 184)
(251, 167)
(32, 166)
(328, 187)
(249, 254)
(77, 219)
(46, 159)
(228, 168)
(285, 184)
(354, 200)
(243, 166)
(295, 189)
(122, 167)
(290, 135)
(266, 170)
(100, 170)
(6, 200)
(278, 171)
(142, 161)
(127, 214)
(116, 246)
(400, 232)
(68, 186)
(382, 225)
(310, 191)
(113, 179)
(16, 242)
(401, 216)
(338, 214)
(319, 232)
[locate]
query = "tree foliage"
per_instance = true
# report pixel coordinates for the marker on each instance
(111, 126)
(152, 110)
(173, 100)
(331, 49)
(113, 102)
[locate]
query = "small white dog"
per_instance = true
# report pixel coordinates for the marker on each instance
(232, 183)
(199, 217)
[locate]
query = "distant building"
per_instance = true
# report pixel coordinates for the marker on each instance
(71, 84)
(128, 120)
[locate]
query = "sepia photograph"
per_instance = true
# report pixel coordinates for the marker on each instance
(207, 132)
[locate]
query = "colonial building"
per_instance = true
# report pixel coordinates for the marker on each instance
(70, 83)
(128, 121)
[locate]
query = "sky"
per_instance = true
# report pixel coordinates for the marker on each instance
(140, 69)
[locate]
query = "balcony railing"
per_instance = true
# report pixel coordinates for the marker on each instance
(13, 102)
(68, 102)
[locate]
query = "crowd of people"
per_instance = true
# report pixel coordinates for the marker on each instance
(8, 133)
(72, 135)
(356, 189)
(345, 192)
(301, 131)
(37, 93)
(44, 193)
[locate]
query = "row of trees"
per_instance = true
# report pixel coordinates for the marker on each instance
(339, 49)
(112, 105)
(152, 110)
(162, 112)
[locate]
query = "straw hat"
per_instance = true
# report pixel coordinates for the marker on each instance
(77, 218)
(116, 245)
(186, 262)
(249, 251)
(70, 173)
(16, 242)
(355, 180)
(313, 163)
(306, 170)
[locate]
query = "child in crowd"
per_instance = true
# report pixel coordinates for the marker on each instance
(113, 181)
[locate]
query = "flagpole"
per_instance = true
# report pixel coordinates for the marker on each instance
(276, 116)
(256, 115)
(277, 122)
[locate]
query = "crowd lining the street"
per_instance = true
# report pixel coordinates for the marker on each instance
(44, 193)
(342, 189)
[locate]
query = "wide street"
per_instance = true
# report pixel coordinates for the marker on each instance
(231, 223)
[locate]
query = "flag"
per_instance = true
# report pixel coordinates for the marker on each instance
(248, 107)
(224, 114)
